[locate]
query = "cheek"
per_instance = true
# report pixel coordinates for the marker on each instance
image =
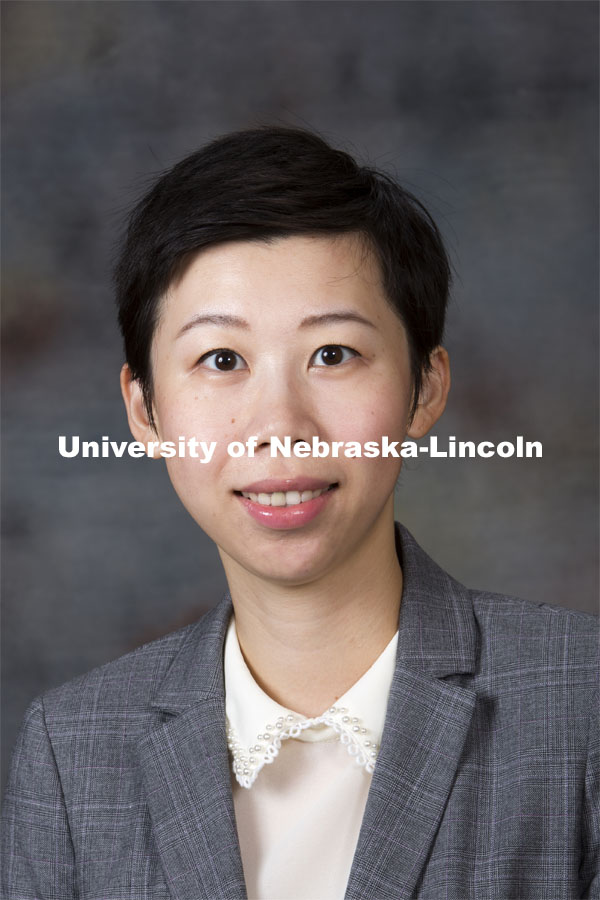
(368, 415)
(387, 418)
(379, 412)
(193, 480)
(192, 415)
(371, 479)
(202, 486)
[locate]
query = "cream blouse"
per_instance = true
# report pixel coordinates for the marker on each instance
(300, 785)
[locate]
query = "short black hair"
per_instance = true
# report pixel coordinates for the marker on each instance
(268, 182)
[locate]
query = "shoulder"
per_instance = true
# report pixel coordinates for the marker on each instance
(536, 641)
(539, 627)
(492, 634)
(128, 684)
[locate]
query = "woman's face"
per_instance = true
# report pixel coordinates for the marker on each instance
(239, 353)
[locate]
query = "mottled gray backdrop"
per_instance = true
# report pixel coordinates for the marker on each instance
(487, 110)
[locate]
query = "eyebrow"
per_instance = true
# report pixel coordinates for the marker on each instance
(333, 317)
(230, 321)
(213, 319)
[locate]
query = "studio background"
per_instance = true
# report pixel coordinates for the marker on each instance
(486, 110)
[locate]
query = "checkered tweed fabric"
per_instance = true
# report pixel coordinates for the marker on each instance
(486, 786)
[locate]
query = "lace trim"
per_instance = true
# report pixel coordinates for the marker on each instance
(247, 763)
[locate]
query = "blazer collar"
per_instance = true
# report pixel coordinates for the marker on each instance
(437, 630)
(186, 771)
(186, 767)
(196, 673)
(427, 721)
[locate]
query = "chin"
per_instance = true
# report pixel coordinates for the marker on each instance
(290, 566)
(292, 576)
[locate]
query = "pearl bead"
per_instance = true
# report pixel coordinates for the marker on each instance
(247, 762)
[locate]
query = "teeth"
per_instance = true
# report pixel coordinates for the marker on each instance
(279, 498)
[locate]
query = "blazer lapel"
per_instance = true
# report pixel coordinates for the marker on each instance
(427, 723)
(187, 775)
(186, 768)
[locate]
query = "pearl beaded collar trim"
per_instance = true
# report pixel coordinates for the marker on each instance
(356, 721)
(247, 762)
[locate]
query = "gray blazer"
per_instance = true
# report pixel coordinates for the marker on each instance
(486, 785)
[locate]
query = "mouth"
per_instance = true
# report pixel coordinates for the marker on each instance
(286, 504)
(293, 497)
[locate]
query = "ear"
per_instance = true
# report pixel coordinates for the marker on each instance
(434, 393)
(137, 416)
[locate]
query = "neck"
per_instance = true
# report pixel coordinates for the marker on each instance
(307, 644)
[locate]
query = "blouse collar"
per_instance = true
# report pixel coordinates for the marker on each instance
(257, 724)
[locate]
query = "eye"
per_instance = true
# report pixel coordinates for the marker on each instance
(332, 355)
(222, 360)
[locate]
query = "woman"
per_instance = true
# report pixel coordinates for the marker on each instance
(349, 721)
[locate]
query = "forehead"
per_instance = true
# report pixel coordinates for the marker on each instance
(282, 278)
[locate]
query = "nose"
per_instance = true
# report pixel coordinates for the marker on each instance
(281, 407)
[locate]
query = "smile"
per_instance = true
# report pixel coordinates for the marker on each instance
(283, 510)
(289, 498)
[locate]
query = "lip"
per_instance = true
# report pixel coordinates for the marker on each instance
(285, 518)
(275, 485)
